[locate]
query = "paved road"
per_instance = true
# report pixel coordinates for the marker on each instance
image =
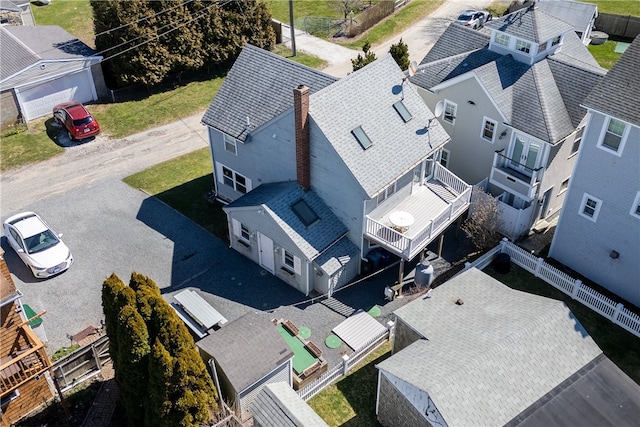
(419, 38)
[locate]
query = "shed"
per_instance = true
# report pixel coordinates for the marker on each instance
(244, 356)
(278, 405)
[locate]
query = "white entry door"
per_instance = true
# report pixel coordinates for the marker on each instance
(265, 246)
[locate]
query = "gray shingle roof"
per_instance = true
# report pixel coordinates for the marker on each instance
(576, 13)
(24, 46)
(485, 361)
(543, 100)
(259, 86)
(599, 394)
(531, 24)
(277, 405)
(365, 98)
(618, 93)
(277, 198)
(459, 40)
(247, 349)
(337, 256)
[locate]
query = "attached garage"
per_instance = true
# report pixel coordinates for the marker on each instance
(38, 101)
(41, 66)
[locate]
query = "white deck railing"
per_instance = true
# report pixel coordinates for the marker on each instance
(607, 307)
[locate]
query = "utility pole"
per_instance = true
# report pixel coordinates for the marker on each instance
(293, 36)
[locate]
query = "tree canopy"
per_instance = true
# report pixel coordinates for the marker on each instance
(400, 52)
(163, 381)
(360, 61)
(144, 41)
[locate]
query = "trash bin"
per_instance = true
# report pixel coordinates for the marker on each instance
(375, 258)
(424, 273)
(502, 263)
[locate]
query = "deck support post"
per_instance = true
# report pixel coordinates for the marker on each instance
(401, 272)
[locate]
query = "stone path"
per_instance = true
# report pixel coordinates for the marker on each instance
(104, 405)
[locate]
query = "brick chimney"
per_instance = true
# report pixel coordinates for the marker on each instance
(303, 151)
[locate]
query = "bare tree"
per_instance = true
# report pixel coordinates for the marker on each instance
(345, 7)
(483, 224)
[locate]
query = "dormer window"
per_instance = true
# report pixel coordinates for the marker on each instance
(523, 46)
(556, 41)
(542, 47)
(502, 39)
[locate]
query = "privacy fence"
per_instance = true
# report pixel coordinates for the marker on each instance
(607, 307)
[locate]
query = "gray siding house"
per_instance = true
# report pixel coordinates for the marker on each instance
(598, 233)
(510, 98)
(349, 163)
(278, 405)
(478, 353)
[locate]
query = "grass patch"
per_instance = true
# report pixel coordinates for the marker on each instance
(75, 16)
(301, 58)
(183, 184)
(62, 352)
(21, 146)
(406, 16)
(604, 53)
(618, 7)
(280, 9)
(622, 347)
(351, 402)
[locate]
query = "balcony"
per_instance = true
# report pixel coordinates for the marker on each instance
(434, 205)
(505, 175)
(23, 363)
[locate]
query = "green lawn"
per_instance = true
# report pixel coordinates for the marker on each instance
(75, 16)
(604, 53)
(351, 400)
(618, 7)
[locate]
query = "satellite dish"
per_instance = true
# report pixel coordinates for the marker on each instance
(413, 66)
(439, 109)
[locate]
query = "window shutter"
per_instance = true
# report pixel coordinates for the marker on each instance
(235, 224)
(220, 174)
(297, 265)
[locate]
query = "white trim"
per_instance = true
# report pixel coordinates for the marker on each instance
(564, 190)
(448, 158)
(623, 137)
(596, 209)
(235, 226)
(495, 129)
(229, 141)
(636, 206)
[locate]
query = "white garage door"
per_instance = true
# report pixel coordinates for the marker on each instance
(39, 101)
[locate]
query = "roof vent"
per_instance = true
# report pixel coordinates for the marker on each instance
(459, 301)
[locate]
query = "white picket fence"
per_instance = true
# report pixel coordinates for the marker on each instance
(612, 310)
(341, 370)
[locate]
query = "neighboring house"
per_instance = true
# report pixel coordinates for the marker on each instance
(16, 13)
(479, 353)
(25, 381)
(598, 233)
(41, 66)
(278, 405)
(582, 16)
(511, 99)
(360, 149)
(244, 356)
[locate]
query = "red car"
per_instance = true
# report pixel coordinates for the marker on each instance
(76, 119)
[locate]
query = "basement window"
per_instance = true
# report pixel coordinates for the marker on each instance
(304, 212)
(362, 137)
(405, 115)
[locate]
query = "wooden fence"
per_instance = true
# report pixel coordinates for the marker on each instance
(607, 307)
(622, 26)
(81, 365)
(341, 370)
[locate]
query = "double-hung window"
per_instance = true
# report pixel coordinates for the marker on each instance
(523, 46)
(635, 208)
(241, 232)
(450, 110)
(290, 262)
(444, 158)
(488, 130)
(234, 180)
(612, 137)
(230, 144)
(577, 141)
(590, 207)
(386, 193)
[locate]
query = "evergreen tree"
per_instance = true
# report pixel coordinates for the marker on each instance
(361, 61)
(162, 378)
(400, 52)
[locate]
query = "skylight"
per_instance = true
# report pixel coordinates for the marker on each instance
(402, 111)
(362, 137)
(304, 212)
